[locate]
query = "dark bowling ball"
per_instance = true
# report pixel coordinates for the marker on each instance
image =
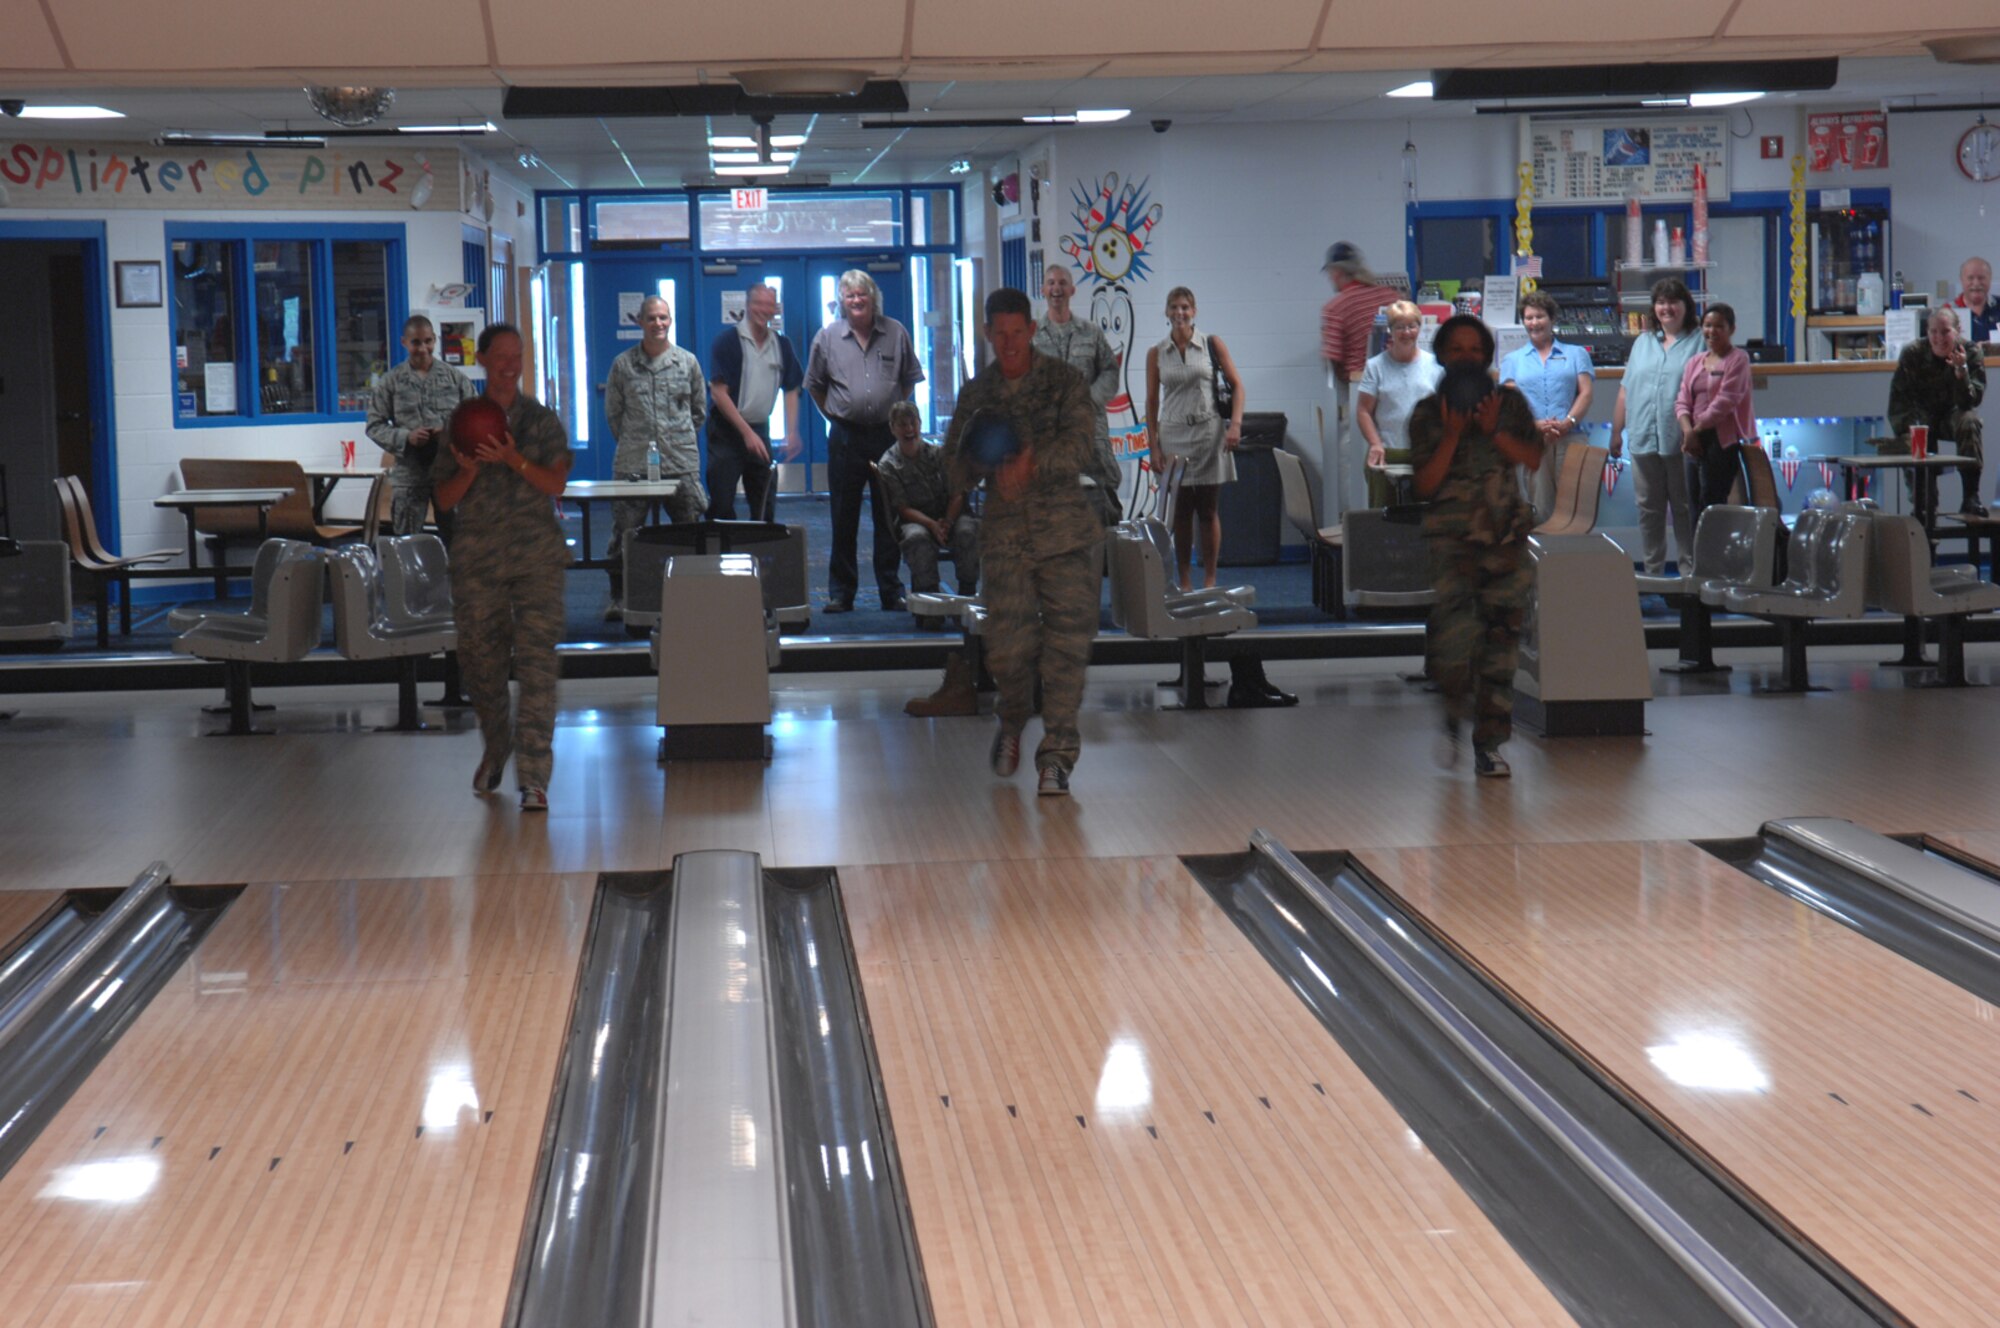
(1464, 386)
(477, 420)
(990, 440)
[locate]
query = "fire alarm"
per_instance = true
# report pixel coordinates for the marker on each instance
(1771, 146)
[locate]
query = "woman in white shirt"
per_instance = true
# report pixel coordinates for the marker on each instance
(1391, 385)
(1643, 422)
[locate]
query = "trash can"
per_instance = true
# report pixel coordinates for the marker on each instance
(1253, 508)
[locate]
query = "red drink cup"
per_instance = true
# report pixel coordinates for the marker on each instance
(1920, 440)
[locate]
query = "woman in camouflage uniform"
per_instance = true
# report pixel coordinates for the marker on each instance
(1465, 442)
(507, 562)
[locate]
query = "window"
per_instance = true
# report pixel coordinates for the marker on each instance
(1455, 248)
(282, 324)
(792, 222)
(639, 223)
(931, 216)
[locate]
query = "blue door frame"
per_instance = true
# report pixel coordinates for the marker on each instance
(97, 328)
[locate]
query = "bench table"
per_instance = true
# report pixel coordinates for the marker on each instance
(190, 501)
(1923, 482)
(324, 479)
(584, 493)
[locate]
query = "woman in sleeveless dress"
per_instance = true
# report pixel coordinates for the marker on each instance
(1182, 421)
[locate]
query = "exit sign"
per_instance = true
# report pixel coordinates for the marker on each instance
(1771, 146)
(748, 200)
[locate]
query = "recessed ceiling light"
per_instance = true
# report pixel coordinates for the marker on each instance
(1722, 98)
(961, 167)
(788, 140)
(731, 141)
(1420, 88)
(69, 113)
(749, 158)
(486, 128)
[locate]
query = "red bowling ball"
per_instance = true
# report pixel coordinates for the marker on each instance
(477, 420)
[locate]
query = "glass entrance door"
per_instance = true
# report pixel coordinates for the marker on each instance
(722, 303)
(613, 290)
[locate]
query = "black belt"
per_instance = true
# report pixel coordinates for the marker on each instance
(856, 425)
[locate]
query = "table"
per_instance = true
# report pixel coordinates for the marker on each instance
(190, 501)
(1925, 471)
(586, 492)
(324, 479)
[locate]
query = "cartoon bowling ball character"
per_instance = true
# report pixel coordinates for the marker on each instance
(1111, 253)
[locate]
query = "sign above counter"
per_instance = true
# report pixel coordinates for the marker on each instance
(1607, 161)
(235, 178)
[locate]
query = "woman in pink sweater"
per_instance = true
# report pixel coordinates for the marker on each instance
(1714, 410)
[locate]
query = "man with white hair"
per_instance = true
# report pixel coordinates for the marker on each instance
(858, 368)
(1939, 382)
(1344, 326)
(1975, 296)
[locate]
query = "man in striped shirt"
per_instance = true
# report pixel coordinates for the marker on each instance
(1344, 326)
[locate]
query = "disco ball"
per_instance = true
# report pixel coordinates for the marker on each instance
(351, 107)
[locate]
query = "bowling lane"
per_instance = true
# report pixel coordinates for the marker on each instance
(18, 910)
(330, 1116)
(1853, 1091)
(1109, 1110)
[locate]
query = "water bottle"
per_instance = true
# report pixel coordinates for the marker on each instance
(1896, 292)
(653, 462)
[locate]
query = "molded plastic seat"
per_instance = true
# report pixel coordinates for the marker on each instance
(1579, 488)
(1155, 533)
(287, 630)
(1733, 546)
(366, 625)
(1746, 556)
(89, 557)
(1903, 581)
(1830, 580)
(416, 577)
(1141, 605)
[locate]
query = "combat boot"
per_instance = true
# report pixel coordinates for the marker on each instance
(956, 695)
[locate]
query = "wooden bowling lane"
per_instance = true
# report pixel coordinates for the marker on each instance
(1856, 1093)
(330, 1116)
(19, 910)
(1111, 1111)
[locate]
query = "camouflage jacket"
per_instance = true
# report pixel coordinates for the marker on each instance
(404, 400)
(920, 481)
(1081, 344)
(1050, 409)
(1479, 501)
(665, 405)
(1927, 390)
(502, 517)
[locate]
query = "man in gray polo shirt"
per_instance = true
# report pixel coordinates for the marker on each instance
(655, 393)
(748, 366)
(859, 368)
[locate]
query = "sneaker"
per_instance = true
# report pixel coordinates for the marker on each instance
(487, 777)
(534, 799)
(613, 611)
(1490, 765)
(1054, 782)
(1446, 752)
(840, 605)
(1006, 755)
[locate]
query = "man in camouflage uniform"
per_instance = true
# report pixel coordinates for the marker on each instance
(655, 393)
(1939, 382)
(1477, 525)
(406, 419)
(1080, 343)
(507, 563)
(929, 513)
(1039, 535)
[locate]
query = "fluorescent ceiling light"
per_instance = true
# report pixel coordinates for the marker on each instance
(1722, 98)
(1048, 119)
(749, 158)
(486, 128)
(69, 113)
(788, 140)
(731, 141)
(1420, 88)
(761, 169)
(275, 139)
(1101, 117)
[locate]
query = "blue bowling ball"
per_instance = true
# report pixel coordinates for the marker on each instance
(989, 440)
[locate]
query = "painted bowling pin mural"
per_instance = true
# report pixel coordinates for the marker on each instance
(1108, 249)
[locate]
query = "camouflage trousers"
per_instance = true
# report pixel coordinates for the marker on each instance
(690, 504)
(1475, 632)
(510, 616)
(1967, 434)
(408, 509)
(1040, 617)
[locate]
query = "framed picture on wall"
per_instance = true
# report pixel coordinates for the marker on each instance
(139, 285)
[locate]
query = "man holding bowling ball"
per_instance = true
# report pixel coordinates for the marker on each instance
(1026, 426)
(509, 458)
(1464, 443)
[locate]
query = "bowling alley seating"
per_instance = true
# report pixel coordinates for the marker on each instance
(416, 576)
(290, 518)
(366, 625)
(34, 595)
(1323, 543)
(1829, 579)
(287, 628)
(1579, 487)
(1902, 580)
(714, 702)
(90, 560)
(1733, 547)
(1143, 606)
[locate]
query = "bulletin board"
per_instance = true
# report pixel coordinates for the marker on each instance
(1605, 161)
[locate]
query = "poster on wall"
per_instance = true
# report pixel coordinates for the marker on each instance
(1608, 161)
(44, 173)
(1847, 141)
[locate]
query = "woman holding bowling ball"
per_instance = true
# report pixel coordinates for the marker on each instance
(509, 459)
(1183, 420)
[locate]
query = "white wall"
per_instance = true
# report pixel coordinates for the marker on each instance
(149, 447)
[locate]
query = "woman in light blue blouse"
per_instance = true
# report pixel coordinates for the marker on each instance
(1643, 421)
(1556, 377)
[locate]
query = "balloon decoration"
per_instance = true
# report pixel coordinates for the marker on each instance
(1524, 214)
(1798, 237)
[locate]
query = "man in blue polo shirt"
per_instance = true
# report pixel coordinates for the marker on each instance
(1556, 378)
(749, 367)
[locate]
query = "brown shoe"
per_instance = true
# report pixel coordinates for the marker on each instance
(958, 694)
